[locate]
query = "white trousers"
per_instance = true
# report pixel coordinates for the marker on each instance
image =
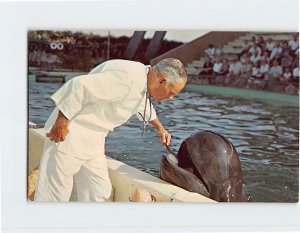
(80, 156)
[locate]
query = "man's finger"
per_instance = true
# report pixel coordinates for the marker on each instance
(163, 139)
(64, 134)
(63, 137)
(167, 137)
(53, 138)
(168, 140)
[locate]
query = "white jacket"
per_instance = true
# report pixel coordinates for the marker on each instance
(106, 97)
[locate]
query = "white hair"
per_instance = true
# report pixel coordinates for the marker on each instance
(172, 69)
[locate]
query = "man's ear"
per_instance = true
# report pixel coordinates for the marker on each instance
(162, 81)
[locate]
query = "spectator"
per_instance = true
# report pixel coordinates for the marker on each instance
(244, 57)
(261, 43)
(296, 72)
(217, 67)
(245, 74)
(254, 48)
(293, 86)
(207, 68)
(210, 51)
(264, 68)
(260, 40)
(275, 71)
(286, 76)
(263, 47)
(277, 50)
(255, 57)
(218, 52)
(223, 72)
(254, 40)
(246, 47)
(255, 71)
(287, 60)
(270, 45)
(285, 47)
(291, 89)
(234, 70)
(297, 53)
(296, 60)
(278, 58)
(265, 56)
(294, 42)
(247, 68)
(216, 70)
(225, 67)
(263, 73)
(255, 75)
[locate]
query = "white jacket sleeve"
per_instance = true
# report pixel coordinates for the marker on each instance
(87, 89)
(141, 109)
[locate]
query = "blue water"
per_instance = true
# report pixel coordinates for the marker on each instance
(265, 136)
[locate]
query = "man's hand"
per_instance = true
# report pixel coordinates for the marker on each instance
(165, 136)
(59, 130)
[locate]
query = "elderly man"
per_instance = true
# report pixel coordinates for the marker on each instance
(88, 107)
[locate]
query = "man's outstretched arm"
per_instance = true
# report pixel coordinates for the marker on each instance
(165, 136)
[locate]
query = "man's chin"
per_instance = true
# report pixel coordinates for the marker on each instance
(157, 100)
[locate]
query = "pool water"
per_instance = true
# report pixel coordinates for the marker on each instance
(265, 136)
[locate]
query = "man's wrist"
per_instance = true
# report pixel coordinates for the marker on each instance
(62, 119)
(157, 125)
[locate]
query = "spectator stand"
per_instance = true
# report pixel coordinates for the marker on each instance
(268, 47)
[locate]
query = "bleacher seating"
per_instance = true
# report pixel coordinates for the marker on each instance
(233, 48)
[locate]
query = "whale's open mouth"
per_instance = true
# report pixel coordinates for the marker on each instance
(206, 163)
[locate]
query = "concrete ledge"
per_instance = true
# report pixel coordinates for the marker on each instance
(264, 96)
(124, 178)
(35, 147)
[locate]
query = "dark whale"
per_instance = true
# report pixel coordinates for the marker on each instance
(206, 163)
